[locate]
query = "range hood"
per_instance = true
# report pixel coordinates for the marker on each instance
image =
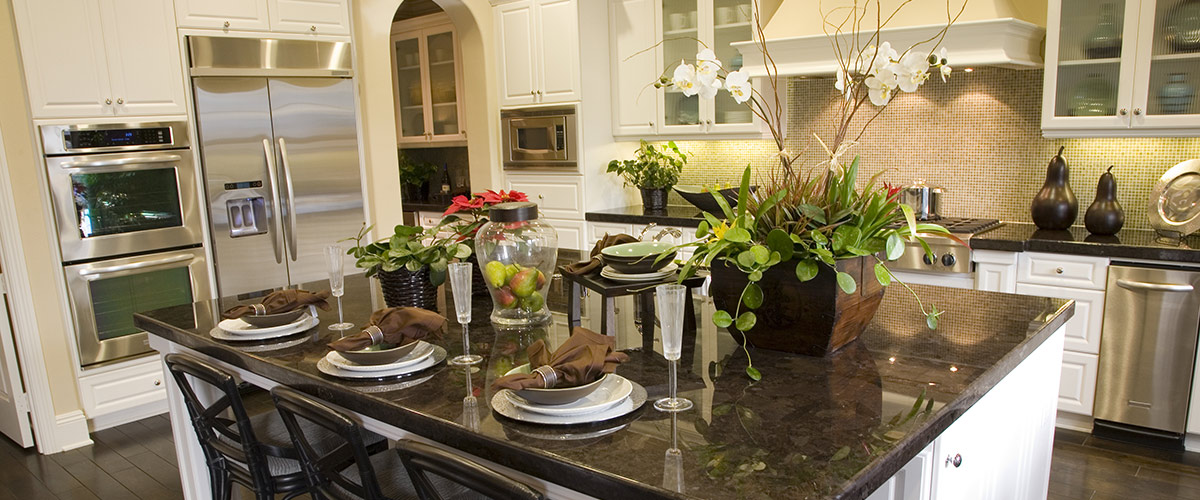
(1003, 33)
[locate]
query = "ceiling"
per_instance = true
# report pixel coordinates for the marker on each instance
(415, 8)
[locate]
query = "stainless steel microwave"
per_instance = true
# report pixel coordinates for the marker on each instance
(540, 138)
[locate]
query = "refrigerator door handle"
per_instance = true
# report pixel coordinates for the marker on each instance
(1157, 287)
(275, 240)
(291, 199)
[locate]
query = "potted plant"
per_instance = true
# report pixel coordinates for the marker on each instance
(810, 246)
(466, 215)
(653, 171)
(410, 264)
(414, 178)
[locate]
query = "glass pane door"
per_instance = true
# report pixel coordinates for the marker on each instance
(731, 23)
(1090, 51)
(114, 300)
(124, 202)
(408, 81)
(442, 83)
(1175, 59)
(681, 37)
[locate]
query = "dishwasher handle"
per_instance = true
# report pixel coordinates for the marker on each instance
(1155, 287)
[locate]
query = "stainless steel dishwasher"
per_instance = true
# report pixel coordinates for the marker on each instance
(1148, 348)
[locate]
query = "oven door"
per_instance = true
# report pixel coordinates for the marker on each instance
(105, 294)
(539, 141)
(123, 203)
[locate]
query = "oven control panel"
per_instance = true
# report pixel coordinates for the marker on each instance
(109, 138)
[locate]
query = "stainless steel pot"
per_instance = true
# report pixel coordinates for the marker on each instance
(924, 199)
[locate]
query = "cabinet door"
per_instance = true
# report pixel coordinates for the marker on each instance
(632, 28)
(556, 196)
(597, 230)
(731, 22)
(1090, 55)
(144, 65)
(66, 68)
(1083, 329)
(222, 14)
(445, 111)
(408, 86)
(515, 53)
(571, 233)
(326, 17)
(680, 21)
(1077, 388)
(557, 43)
(1168, 69)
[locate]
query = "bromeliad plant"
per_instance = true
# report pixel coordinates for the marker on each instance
(411, 248)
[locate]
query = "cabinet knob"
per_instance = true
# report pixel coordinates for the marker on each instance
(157, 382)
(226, 24)
(1123, 112)
(539, 92)
(312, 28)
(108, 101)
(120, 100)
(532, 92)
(1058, 270)
(1137, 111)
(651, 123)
(956, 460)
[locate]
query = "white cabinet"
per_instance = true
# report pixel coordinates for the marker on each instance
(597, 230)
(913, 482)
(995, 271)
(1083, 329)
(571, 233)
(1112, 69)
(1075, 271)
(632, 30)
(537, 51)
(98, 58)
(557, 196)
(123, 392)
(427, 69)
(1077, 387)
(324, 17)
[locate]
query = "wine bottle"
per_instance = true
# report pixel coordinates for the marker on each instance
(445, 192)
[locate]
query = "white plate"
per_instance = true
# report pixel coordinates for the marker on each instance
(504, 406)
(612, 392)
(271, 333)
(238, 327)
(419, 353)
(637, 278)
(667, 269)
(438, 355)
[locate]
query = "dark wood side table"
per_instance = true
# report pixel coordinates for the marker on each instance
(609, 290)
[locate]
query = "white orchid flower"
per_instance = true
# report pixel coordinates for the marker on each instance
(912, 71)
(843, 84)
(708, 90)
(880, 57)
(708, 67)
(880, 86)
(685, 79)
(943, 64)
(738, 85)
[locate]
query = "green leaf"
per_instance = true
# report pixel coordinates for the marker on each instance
(438, 265)
(841, 454)
(806, 270)
(702, 230)
(437, 277)
(774, 259)
(462, 251)
(412, 265)
(724, 204)
(931, 319)
(825, 255)
(754, 375)
(910, 218)
(746, 259)
(722, 319)
(761, 254)
(882, 274)
(755, 275)
(849, 236)
(779, 241)
(722, 409)
(846, 282)
(752, 296)
(746, 321)
(744, 192)
(818, 238)
(737, 235)
(812, 212)
(895, 246)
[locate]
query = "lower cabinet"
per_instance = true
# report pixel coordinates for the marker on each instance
(123, 392)
(571, 233)
(913, 482)
(1077, 387)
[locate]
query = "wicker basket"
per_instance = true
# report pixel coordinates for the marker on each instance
(478, 283)
(408, 288)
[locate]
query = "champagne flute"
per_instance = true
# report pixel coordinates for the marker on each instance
(460, 285)
(673, 460)
(670, 299)
(337, 283)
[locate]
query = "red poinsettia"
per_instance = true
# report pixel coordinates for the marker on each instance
(478, 201)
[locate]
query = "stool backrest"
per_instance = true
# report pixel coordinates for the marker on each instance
(421, 460)
(328, 467)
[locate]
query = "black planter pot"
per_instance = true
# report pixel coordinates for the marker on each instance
(415, 193)
(654, 198)
(408, 288)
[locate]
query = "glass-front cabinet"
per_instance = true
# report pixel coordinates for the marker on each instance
(427, 76)
(1122, 68)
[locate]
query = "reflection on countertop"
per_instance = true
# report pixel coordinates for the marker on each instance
(1128, 243)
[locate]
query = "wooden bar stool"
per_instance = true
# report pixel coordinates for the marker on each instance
(427, 464)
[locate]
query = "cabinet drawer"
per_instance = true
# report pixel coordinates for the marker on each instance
(571, 233)
(126, 386)
(1084, 328)
(1077, 387)
(1062, 270)
(558, 197)
(597, 230)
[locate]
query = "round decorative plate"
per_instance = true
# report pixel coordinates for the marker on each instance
(504, 406)
(611, 392)
(421, 351)
(437, 356)
(305, 322)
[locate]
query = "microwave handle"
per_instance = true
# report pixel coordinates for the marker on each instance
(122, 161)
(277, 213)
(95, 272)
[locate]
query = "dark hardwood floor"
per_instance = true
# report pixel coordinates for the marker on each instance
(137, 461)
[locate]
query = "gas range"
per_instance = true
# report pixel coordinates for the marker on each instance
(948, 256)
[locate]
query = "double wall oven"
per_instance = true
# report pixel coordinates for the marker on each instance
(126, 205)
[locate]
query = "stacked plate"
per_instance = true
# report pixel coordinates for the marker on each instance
(616, 396)
(237, 330)
(423, 356)
(661, 274)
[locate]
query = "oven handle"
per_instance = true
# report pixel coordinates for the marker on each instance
(1157, 287)
(95, 272)
(276, 242)
(291, 199)
(122, 161)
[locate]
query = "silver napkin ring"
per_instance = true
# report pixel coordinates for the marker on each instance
(375, 333)
(548, 375)
(259, 309)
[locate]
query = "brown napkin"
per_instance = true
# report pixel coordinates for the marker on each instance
(594, 263)
(400, 325)
(282, 301)
(580, 360)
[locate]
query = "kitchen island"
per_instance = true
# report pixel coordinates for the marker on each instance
(887, 406)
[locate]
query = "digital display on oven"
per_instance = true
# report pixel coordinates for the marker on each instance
(93, 139)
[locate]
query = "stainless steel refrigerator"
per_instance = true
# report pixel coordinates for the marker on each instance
(280, 159)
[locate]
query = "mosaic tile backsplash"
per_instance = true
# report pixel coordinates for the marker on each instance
(977, 135)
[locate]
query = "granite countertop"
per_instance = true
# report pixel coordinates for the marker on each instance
(674, 215)
(1128, 243)
(424, 207)
(812, 428)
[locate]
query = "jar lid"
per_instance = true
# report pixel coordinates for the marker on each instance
(514, 211)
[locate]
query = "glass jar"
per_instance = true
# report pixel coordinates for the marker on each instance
(518, 254)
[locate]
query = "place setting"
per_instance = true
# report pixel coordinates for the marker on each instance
(280, 314)
(394, 344)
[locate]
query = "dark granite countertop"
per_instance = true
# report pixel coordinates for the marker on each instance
(812, 428)
(1128, 243)
(424, 207)
(674, 215)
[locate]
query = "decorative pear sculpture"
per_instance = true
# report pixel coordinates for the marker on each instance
(1055, 207)
(1105, 215)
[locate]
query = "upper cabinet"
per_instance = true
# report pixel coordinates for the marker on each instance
(100, 58)
(324, 17)
(1122, 68)
(427, 76)
(538, 51)
(649, 39)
